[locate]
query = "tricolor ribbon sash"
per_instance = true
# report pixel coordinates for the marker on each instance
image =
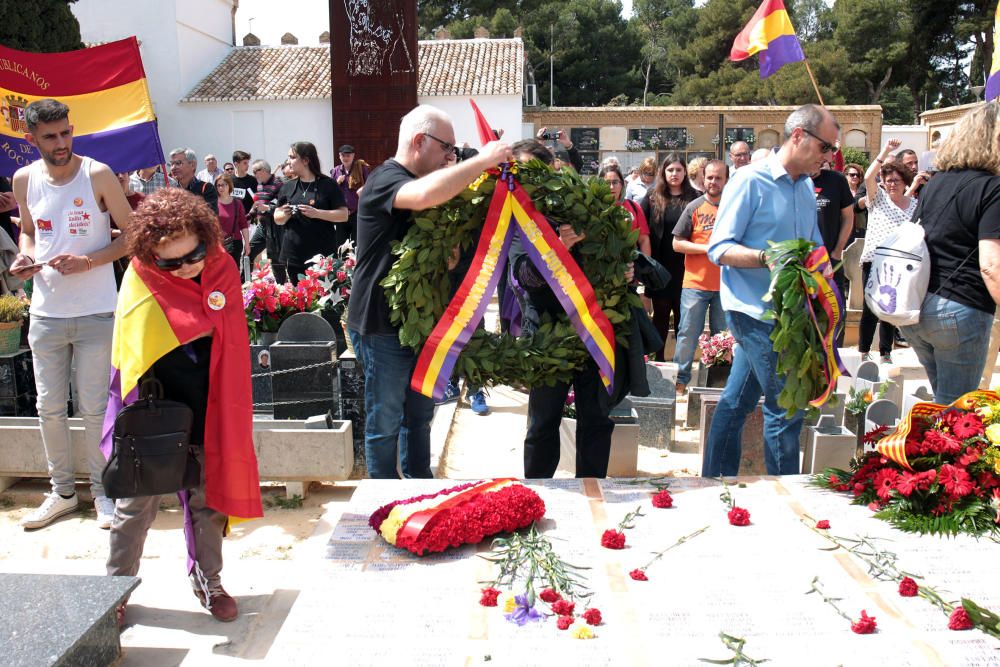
(106, 91)
(511, 204)
(828, 296)
(893, 446)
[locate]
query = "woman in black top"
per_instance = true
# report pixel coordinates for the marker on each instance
(663, 205)
(311, 208)
(959, 209)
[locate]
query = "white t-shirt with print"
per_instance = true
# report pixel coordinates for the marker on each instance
(884, 218)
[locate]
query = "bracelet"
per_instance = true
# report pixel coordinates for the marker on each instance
(763, 258)
(879, 160)
(90, 264)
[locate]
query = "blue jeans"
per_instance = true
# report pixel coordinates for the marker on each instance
(754, 372)
(398, 421)
(694, 303)
(951, 341)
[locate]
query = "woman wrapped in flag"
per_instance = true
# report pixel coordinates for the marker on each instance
(180, 314)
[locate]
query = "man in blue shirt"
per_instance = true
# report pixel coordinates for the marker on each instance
(769, 200)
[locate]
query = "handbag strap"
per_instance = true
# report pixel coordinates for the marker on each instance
(150, 387)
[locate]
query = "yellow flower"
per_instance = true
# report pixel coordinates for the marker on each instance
(509, 604)
(993, 433)
(479, 181)
(985, 413)
(581, 631)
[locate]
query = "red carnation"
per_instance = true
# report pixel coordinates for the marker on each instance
(823, 524)
(739, 517)
(971, 455)
(908, 588)
(563, 607)
(489, 597)
(549, 595)
(959, 620)
(592, 616)
(663, 500)
(638, 574)
(613, 539)
(834, 480)
(564, 622)
(864, 625)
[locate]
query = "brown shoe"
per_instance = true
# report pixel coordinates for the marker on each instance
(221, 604)
(682, 389)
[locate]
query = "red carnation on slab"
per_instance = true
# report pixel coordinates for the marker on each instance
(908, 588)
(663, 500)
(548, 595)
(739, 517)
(489, 597)
(865, 625)
(638, 574)
(563, 607)
(564, 622)
(959, 620)
(592, 616)
(613, 539)
(823, 524)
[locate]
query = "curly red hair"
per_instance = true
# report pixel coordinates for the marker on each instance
(166, 214)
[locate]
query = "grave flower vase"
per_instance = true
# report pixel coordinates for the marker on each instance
(718, 375)
(856, 424)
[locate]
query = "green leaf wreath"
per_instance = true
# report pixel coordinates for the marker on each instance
(417, 286)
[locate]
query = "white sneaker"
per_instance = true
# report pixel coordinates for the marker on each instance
(54, 507)
(105, 511)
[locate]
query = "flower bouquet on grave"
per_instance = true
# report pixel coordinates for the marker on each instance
(858, 401)
(335, 274)
(463, 514)
(267, 303)
(938, 472)
(717, 350)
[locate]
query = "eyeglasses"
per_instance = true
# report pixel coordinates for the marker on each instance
(853, 174)
(174, 263)
(177, 163)
(892, 181)
(824, 146)
(230, 168)
(444, 144)
(612, 181)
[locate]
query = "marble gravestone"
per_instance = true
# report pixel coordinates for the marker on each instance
(656, 412)
(828, 444)
(61, 620)
(868, 370)
(307, 342)
(752, 455)
(351, 381)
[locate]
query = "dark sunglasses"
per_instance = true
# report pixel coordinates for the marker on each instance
(853, 174)
(823, 145)
(444, 144)
(175, 263)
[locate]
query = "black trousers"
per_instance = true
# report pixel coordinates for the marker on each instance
(593, 427)
(886, 332)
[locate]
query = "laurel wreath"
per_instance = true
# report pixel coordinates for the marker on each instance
(417, 286)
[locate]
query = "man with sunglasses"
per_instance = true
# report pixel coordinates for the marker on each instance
(770, 200)
(398, 419)
(67, 202)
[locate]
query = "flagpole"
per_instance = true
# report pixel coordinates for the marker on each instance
(813, 79)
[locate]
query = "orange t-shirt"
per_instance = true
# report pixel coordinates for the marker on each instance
(696, 224)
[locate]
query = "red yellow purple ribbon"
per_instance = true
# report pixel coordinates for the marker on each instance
(828, 296)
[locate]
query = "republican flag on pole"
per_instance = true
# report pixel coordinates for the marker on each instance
(770, 34)
(993, 82)
(108, 99)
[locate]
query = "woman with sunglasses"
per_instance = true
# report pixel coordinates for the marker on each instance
(887, 209)
(180, 320)
(855, 173)
(312, 209)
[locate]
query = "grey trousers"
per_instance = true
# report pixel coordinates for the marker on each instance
(57, 344)
(134, 516)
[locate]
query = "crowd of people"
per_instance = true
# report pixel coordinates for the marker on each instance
(707, 223)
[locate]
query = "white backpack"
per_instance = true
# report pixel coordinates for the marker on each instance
(901, 270)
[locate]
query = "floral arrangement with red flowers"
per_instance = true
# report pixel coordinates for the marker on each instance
(335, 273)
(267, 303)
(717, 350)
(521, 559)
(464, 514)
(950, 482)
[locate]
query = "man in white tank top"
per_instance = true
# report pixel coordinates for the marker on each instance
(65, 243)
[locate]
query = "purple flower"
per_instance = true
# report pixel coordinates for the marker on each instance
(522, 612)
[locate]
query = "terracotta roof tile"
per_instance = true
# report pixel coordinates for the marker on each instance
(447, 67)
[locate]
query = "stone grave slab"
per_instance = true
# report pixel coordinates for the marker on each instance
(656, 421)
(921, 395)
(752, 455)
(832, 409)
(310, 385)
(260, 366)
(306, 327)
(855, 296)
(61, 620)
(868, 370)
(829, 444)
(694, 403)
(624, 458)
(662, 379)
(351, 381)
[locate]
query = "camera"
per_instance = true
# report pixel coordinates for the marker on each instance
(295, 209)
(550, 136)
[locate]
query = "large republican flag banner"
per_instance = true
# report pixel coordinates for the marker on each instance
(107, 95)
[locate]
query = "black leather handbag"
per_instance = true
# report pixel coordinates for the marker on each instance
(152, 452)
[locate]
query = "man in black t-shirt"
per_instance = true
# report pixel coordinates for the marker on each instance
(398, 419)
(835, 218)
(244, 183)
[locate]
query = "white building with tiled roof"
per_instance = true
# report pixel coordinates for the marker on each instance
(216, 97)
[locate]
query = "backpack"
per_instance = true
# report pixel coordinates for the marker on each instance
(901, 271)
